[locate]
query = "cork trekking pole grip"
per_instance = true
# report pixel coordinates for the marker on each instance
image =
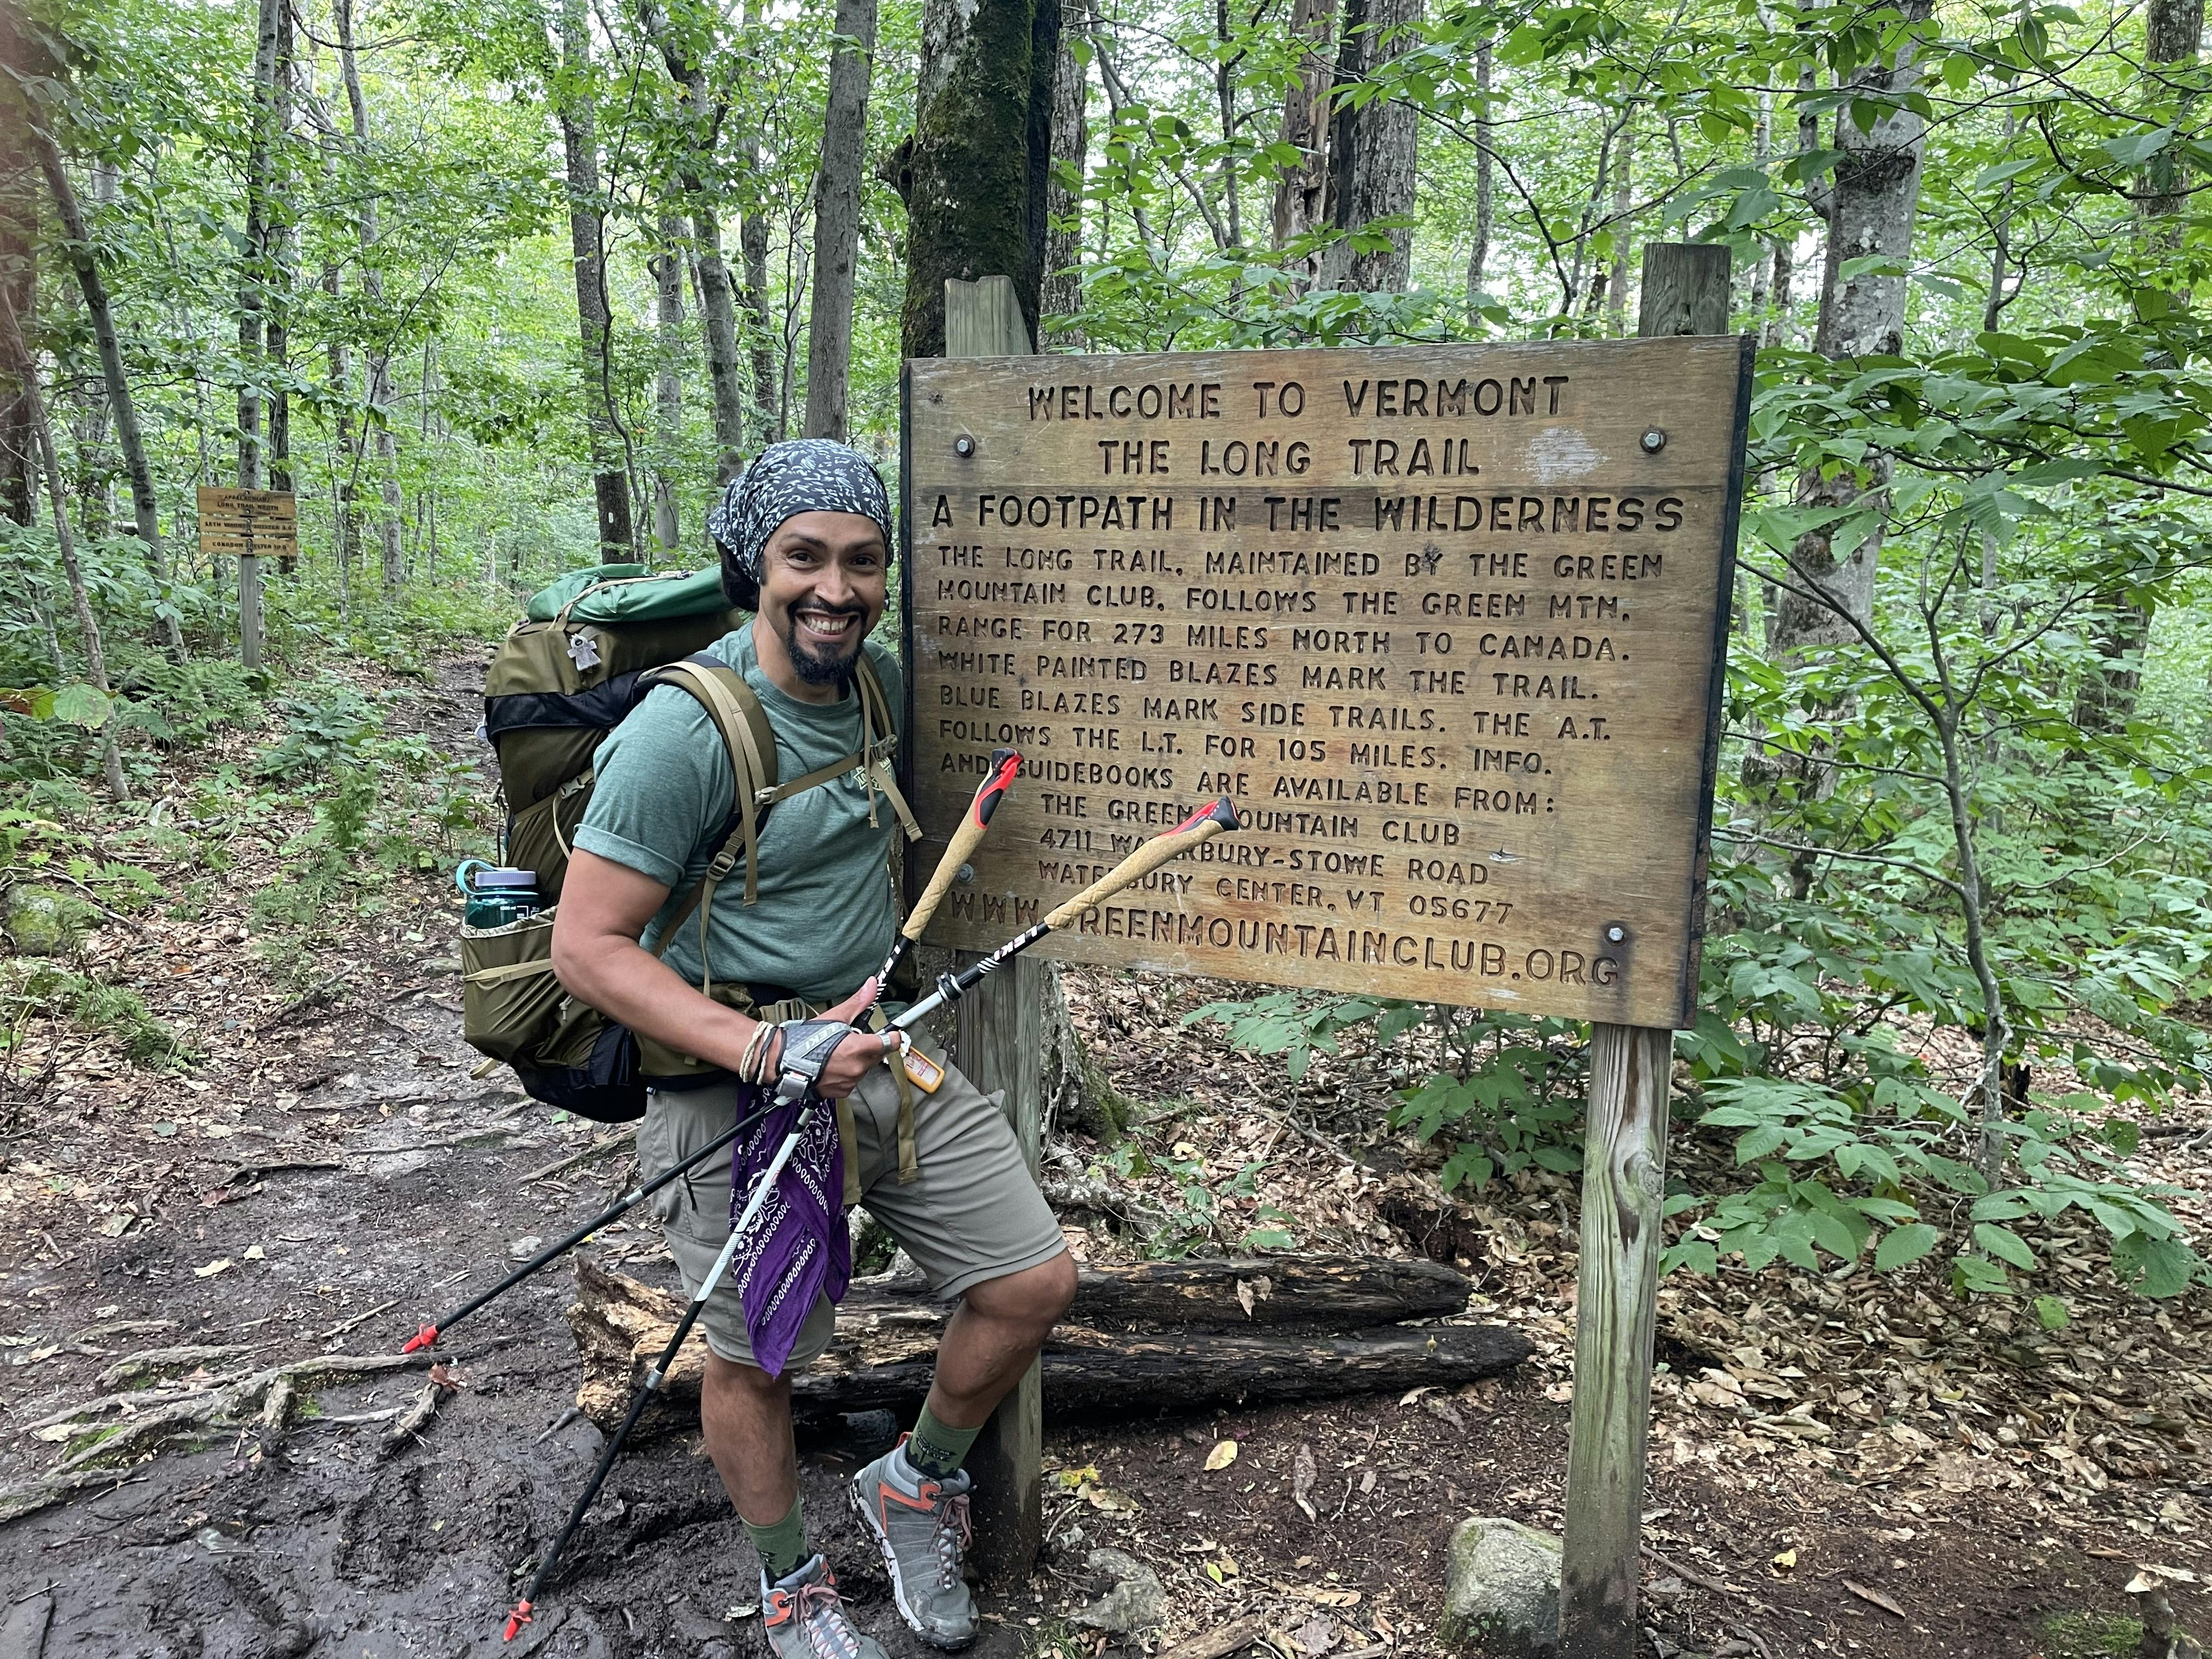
(1004, 762)
(1201, 825)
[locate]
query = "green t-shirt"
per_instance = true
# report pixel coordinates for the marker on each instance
(825, 917)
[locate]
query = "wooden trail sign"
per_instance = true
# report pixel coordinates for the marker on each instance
(252, 523)
(1446, 622)
(249, 526)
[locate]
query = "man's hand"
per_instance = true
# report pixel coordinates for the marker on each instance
(858, 1055)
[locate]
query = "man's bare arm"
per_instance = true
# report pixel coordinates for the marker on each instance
(604, 907)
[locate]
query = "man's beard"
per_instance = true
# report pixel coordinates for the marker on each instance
(818, 669)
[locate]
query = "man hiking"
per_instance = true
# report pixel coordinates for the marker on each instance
(805, 541)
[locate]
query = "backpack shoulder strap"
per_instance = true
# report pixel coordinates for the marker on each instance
(881, 738)
(742, 724)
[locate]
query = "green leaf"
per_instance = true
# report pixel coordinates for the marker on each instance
(2004, 1244)
(1977, 1275)
(1697, 1254)
(1902, 1246)
(1268, 1238)
(2051, 1313)
(1758, 1143)
(2154, 1267)
(82, 705)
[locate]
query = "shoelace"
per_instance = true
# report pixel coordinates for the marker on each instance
(953, 1535)
(821, 1600)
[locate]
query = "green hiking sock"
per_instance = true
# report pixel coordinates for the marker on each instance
(782, 1546)
(935, 1449)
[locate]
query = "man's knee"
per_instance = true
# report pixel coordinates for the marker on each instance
(1035, 1297)
(747, 1388)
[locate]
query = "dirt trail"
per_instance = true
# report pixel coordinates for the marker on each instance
(319, 1545)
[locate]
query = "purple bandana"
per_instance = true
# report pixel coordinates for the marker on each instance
(798, 1246)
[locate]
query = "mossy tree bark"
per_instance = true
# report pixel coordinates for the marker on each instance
(975, 171)
(19, 259)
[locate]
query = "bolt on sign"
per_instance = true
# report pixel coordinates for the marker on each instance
(255, 523)
(1447, 623)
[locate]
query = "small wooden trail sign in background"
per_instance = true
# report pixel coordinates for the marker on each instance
(256, 523)
(249, 526)
(1446, 622)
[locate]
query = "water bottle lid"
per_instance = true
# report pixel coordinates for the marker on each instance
(505, 880)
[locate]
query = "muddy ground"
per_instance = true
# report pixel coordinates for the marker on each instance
(150, 1211)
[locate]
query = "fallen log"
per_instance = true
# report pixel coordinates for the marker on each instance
(881, 1355)
(1306, 1292)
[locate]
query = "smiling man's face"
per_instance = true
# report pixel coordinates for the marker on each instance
(823, 585)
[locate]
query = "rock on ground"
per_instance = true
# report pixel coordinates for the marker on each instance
(1501, 1590)
(1137, 1602)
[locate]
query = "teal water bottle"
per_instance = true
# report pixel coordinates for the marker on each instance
(497, 895)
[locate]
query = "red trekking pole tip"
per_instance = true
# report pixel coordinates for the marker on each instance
(516, 1621)
(421, 1338)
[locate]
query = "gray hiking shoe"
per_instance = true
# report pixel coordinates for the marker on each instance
(804, 1619)
(920, 1524)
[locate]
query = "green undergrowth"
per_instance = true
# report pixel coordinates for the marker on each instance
(2091, 1636)
(100, 1009)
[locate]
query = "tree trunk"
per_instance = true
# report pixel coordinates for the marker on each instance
(19, 257)
(128, 435)
(1301, 193)
(1062, 292)
(1623, 199)
(752, 246)
(1486, 193)
(580, 148)
(883, 1353)
(2171, 31)
(1383, 174)
(253, 261)
(717, 296)
(752, 243)
(977, 166)
(1869, 208)
(42, 438)
(668, 382)
(282, 264)
(837, 219)
(380, 397)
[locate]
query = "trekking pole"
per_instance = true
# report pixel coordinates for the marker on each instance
(1200, 826)
(431, 1334)
(1004, 762)
(650, 1385)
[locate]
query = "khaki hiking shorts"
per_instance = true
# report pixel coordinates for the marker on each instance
(972, 1212)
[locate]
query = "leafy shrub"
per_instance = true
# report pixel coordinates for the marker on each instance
(184, 704)
(321, 723)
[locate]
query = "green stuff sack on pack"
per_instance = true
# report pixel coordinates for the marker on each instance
(622, 595)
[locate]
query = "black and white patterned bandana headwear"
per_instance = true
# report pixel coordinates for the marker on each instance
(805, 475)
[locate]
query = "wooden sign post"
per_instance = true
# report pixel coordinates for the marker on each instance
(1685, 292)
(1448, 622)
(253, 524)
(1000, 1042)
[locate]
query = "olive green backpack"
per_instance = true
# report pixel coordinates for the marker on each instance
(586, 652)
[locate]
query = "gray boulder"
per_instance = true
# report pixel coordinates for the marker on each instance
(42, 922)
(1501, 1590)
(1137, 1602)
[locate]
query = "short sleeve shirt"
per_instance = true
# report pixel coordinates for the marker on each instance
(825, 915)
